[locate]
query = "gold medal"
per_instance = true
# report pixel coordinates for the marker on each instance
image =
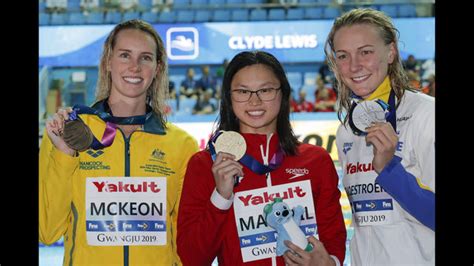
(231, 142)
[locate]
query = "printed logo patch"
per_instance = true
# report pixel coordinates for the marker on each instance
(353, 168)
(296, 172)
(158, 154)
(93, 165)
(347, 147)
(94, 154)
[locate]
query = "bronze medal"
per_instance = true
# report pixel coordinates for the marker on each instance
(77, 135)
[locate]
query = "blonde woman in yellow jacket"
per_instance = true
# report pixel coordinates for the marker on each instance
(117, 204)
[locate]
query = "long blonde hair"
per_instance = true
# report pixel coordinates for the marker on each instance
(388, 32)
(158, 91)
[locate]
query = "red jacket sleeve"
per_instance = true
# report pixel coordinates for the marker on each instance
(330, 221)
(200, 223)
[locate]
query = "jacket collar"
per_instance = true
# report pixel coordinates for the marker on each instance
(152, 122)
(254, 141)
(382, 92)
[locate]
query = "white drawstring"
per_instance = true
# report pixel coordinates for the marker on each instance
(265, 158)
(269, 177)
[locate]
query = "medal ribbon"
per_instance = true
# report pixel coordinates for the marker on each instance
(392, 114)
(111, 123)
(131, 120)
(249, 161)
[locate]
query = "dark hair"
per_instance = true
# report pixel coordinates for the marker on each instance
(227, 119)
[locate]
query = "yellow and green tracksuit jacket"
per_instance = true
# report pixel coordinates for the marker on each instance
(152, 151)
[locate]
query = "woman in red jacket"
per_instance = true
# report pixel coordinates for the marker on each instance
(255, 103)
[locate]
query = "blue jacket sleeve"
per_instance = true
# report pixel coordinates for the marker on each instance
(404, 188)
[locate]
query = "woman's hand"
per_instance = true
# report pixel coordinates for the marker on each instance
(224, 169)
(55, 128)
(384, 140)
(317, 257)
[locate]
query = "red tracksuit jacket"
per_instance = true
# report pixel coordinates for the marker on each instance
(204, 231)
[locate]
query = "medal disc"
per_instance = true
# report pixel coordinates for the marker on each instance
(231, 142)
(366, 113)
(77, 135)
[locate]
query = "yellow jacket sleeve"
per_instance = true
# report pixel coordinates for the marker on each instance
(56, 171)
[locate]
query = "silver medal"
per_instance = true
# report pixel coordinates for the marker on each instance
(366, 113)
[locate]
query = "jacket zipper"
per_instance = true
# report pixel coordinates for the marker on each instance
(127, 174)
